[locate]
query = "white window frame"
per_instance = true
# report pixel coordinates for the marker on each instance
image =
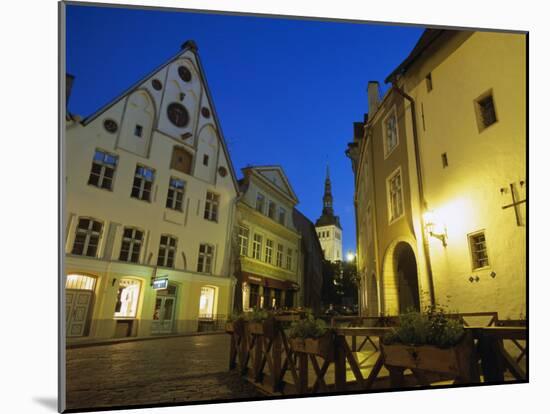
(289, 259)
(282, 211)
(243, 240)
(279, 255)
(268, 251)
(261, 208)
(211, 206)
(134, 244)
(257, 241)
(173, 201)
(141, 187)
(391, 218)
(205, 261)
(388, 151)
(270, 204)
(103, 167)
(168, 249)
(88, 233)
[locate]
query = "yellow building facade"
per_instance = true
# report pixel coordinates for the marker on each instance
(440, 171)
(150, 203)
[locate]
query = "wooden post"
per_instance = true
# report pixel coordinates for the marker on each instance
(339, 363)
(396, 376)
(258, 349)
(302, 373)
(491, 359)
(232, 352)
(276, 352)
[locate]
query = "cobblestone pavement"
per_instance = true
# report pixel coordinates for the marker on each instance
(193, 368)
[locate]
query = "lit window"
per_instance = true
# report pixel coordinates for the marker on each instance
(282, 216)
(206, 302)
(280, 255)
(176, 190)
(260, 201)
(132, 240)
(257, 247)
(206, 255)
(289, 259)
(127, 298)
(103, 170)
(243, 240)
(80, 282)
(271, 210)
(485, 111)
(395, 194)
(87, 236)
(143, 183)
(268, 251)
(167, 251)
(211, 206)
(390, 132)
(478, 249)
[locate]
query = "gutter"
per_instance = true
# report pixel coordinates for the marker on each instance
(423, 203)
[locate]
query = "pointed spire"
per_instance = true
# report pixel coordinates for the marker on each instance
(327, 197)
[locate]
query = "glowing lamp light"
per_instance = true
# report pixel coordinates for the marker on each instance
(350, 256)
(434, 227)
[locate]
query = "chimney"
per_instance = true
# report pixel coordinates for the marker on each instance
(373, 96)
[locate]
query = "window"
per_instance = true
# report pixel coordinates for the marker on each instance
(280, 255)
(289, 259)
(268, 251)
(254, 296)
(205, 159)
(337, 235)
(103, 170)
(243, 240)
(478, 249)
(138, 131)
(211, 206)
(185, 74)
(260, 201)
(182, 160)
(257, 247)
(390, 132)
(127, 298)
(177, 114)
(167, 251)
(271, 210)
(485, 111)
(143, 183)
(444, 160)
(282, 215)
(429, 85)
(395, 195)
(176, 189)
(87, 236)
(206, 302)
(132, 240)
(206, 254)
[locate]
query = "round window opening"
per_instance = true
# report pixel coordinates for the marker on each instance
(205, 112)
(222, 171)
(157, 85)
(110, 125)
(185, 74)
(178, 115)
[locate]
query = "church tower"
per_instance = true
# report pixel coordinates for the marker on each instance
(328, 227)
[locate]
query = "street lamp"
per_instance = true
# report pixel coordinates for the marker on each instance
(434, 227)
(350, 256)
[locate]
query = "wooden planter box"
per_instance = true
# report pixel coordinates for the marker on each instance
(236, 326)
(265, 328)
(323, 346)
(455, 361)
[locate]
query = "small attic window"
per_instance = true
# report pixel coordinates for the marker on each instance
(205, 159)
(222, 171)
(138, 131)
(485, 111)
(205, 112)
(157, 85)
(429, 85)
(110, 126)
(185, 74)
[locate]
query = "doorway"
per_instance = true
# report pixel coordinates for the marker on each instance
(407, 278)
(163, 314)
(79, 290)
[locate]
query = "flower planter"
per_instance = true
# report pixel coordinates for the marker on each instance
(455, 361)
(322, 346)
(265, 328)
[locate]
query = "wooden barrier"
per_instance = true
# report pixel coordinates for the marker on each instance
(270, 362)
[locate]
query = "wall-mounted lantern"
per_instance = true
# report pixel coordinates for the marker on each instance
(435, 228)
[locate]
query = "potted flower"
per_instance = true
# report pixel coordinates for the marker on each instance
(311, 336)
(261, 322)
(432, 341)
(235, 324)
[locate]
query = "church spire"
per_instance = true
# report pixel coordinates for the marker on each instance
(327, 197)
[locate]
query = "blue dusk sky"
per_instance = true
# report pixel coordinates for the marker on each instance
(286, 91)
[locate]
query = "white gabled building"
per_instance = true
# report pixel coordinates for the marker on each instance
(150, 201)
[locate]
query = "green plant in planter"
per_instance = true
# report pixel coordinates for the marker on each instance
(308, 327)
(235, 316)
(257, 315)
(434, 327)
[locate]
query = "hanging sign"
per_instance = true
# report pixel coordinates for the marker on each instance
(161, 283)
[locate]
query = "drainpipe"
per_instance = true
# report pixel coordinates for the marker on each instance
(423, 203)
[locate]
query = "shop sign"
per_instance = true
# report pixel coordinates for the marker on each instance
(160, 283)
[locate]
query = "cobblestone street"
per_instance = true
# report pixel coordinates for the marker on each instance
(170, 370)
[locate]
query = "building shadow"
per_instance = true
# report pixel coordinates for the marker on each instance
(48, 402)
